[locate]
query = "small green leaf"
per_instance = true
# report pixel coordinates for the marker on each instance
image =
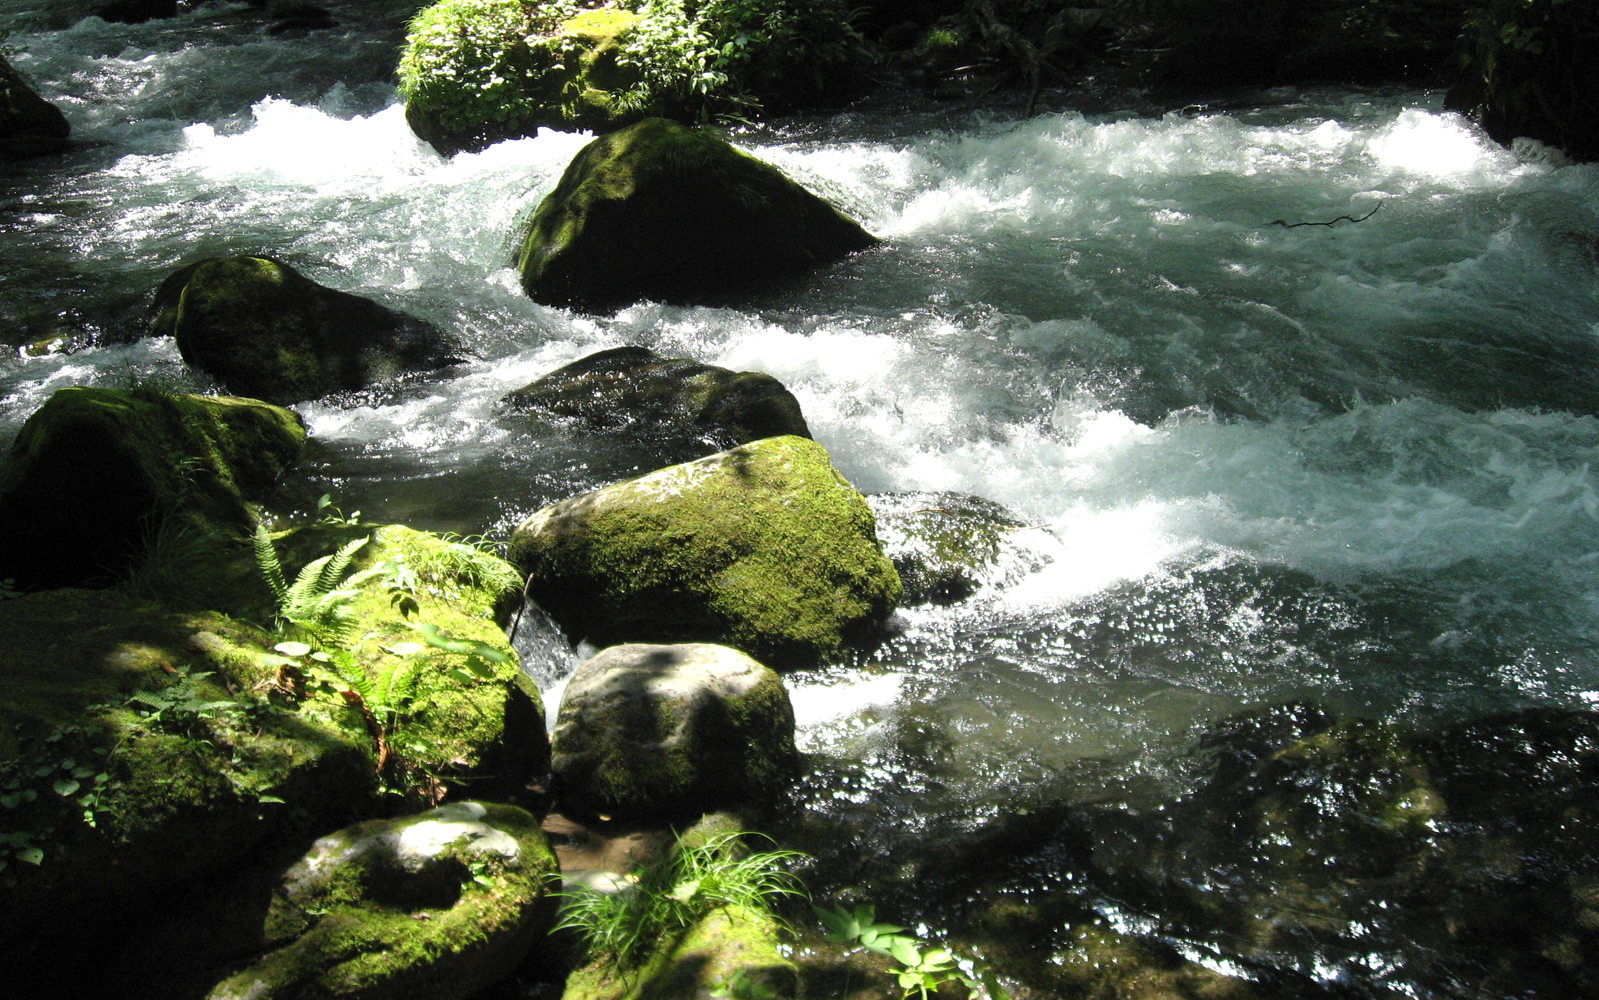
(66, 787)
(31, 855)
(292, 648)
(11, 800)
(686, 891)
(269, 798)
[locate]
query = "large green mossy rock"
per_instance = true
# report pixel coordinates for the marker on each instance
(671, 732)
(636, 391)
(476, 72)
(126, 805)
(659, 210)
(729, 942)
(29, 124)
(98, 477)
(262, 329)
(435, 906)
(764, 547)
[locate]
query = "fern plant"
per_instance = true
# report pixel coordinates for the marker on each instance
(318, 602)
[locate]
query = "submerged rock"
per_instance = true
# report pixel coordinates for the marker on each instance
(437, 905)
(137, 11)
(476, 72)
(637, 390)
(264, 330)
(946, 546)
(764, 547)
(672, 731)
(29, 125)
(659, 210)
(99, 477)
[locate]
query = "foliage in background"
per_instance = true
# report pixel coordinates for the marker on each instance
(922, 968)
(665, 899)
(1531, 68)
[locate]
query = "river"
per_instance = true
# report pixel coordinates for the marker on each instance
(1262, 461)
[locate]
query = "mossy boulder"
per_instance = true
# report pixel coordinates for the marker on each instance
(262, 329)
(764, 547)
(947, 546)
(97, 477)
(669, 732)
(635, 390)
(29, 124)
(659, 210)
(729, 942)
(476, 72)
(437, 905)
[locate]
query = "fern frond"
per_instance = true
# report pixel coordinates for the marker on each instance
(266, 558)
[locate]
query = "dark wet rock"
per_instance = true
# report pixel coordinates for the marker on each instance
(298, 15)
(30, 126)
(636, 390)
(439, 905)
(659, 210)
(264, 330)
(96, 476)
(947, 546)
(137, 11)
(764, 547)
(649, 731)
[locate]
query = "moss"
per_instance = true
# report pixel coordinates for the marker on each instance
(659, 210)
(96, 474)
(475, 72)
(729, 939)
(765, 548)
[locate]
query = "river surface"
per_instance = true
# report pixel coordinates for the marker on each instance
(1348, 465)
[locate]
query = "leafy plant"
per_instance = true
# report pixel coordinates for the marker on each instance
(743, 986)
(922, 968)
(663, 900)
(318, 601)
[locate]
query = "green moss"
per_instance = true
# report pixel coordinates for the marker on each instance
(96, 474)
(727, 940)
(764, 547)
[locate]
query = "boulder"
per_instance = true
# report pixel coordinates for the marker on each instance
(437, 905)
(98, 477)
(262, 329)
(634, 389)
(660, 210)
(731, 944)
(651, 732)
(476, 72)
(137, 11)
(946, 546)
(764, 547)
(29, 124)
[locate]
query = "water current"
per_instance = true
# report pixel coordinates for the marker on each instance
(1349, 465)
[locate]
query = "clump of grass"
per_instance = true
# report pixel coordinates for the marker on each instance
(664, 900)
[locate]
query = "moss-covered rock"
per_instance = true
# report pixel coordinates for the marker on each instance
(668, 732)
(97, 478)
(729, 942)
(763, 547)
(633, 389)
(660, 210)
(29, 124)
(262, 329)
(946, 546)
(437, 905)
(476, 72)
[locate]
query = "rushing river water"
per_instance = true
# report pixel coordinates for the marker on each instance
(1349, 466)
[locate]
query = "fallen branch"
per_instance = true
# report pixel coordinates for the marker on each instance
(1329, 224)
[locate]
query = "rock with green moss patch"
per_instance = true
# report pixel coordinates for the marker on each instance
(731, 942)
(947, 546)
(438, 905)
(635, 390)
(764, 547)
(668, 732)
(263, 329)
(659, 210)
(98, 477)
(476, 72)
